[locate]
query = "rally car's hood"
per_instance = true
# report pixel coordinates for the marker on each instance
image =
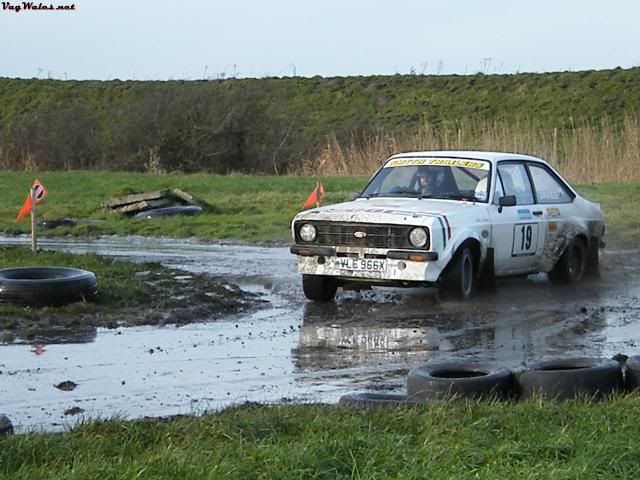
(389, 210)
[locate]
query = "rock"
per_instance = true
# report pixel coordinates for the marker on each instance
(66, 386)
(73, 411)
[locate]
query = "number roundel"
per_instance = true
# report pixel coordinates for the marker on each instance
(525, 239)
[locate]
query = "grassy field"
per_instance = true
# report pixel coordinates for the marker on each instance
(248, 208)
(531, 440)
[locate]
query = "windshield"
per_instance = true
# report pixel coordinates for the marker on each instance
(445, 178)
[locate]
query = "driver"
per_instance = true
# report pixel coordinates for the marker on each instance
(426, 182)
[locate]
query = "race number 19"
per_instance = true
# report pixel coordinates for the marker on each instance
(525, 239)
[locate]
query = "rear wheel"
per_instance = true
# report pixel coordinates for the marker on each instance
(319, 288)
(572, 264)
(459, 278)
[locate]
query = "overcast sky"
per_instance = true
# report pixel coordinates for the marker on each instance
(194, 39)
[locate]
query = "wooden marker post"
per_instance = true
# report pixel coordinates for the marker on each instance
(34, 223)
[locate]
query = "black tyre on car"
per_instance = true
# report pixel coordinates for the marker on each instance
(459, 380)
(459, 278)
(41, 286)
(571, 266)
(591, 378)
(319, 288)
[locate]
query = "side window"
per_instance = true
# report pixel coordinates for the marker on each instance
(548, 189)
(515, 181)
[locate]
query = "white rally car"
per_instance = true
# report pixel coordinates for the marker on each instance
(452, 219)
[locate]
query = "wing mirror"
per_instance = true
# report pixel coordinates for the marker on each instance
(353, 195)
(506, 201)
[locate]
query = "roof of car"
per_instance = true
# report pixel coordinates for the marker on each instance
(477, 155)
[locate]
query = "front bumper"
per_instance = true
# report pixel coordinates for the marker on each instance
(401, 265)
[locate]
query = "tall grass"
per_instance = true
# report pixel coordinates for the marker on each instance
(591, 152)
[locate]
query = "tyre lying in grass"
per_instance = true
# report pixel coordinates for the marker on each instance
(632, 373)
(375, 400)
(6, 427)
(591, 378)
(40, 286)
(169, 211)
(62, 222)
(459, 380)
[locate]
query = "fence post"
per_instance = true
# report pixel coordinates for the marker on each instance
(34, 223)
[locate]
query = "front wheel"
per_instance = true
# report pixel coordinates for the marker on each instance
(571, 266)
(319, 288)
(459, 278)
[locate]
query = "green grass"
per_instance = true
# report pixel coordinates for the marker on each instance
(248, 208)
(531, 440)
(619, 204)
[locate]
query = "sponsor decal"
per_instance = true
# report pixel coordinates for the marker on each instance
(553, 226)
(438, 162)
(524, 214)
(553, 212)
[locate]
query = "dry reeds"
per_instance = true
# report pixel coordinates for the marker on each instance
(593, 152)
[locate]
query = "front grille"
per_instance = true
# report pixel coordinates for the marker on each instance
(377, 236)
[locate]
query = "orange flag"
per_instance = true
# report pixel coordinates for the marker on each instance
(315, 196)
(41, 192)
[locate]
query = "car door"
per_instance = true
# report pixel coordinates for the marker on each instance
(517, 231)
(555, 200)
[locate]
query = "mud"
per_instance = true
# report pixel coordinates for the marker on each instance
(293, 350)
(166, 297)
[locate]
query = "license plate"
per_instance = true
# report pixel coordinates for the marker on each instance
(361, 264)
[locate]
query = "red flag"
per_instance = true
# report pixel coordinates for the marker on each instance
(315, 196)
(41, 193)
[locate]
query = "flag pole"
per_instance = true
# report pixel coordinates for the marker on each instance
(34, 233)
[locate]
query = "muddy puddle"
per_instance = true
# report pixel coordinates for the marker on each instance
(297, 351)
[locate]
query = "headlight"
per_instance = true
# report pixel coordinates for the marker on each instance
(418, 237)
(307, 232)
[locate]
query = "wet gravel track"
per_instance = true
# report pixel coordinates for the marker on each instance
(295, 350)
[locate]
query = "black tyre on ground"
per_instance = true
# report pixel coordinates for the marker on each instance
(6, 427)
(459, 380)
(375, 400)
(591, 378)
(63, 222)
(459, 278)
(319, 288)
(632, 373)
(572, 264)
(40, 286)
(169, 211)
